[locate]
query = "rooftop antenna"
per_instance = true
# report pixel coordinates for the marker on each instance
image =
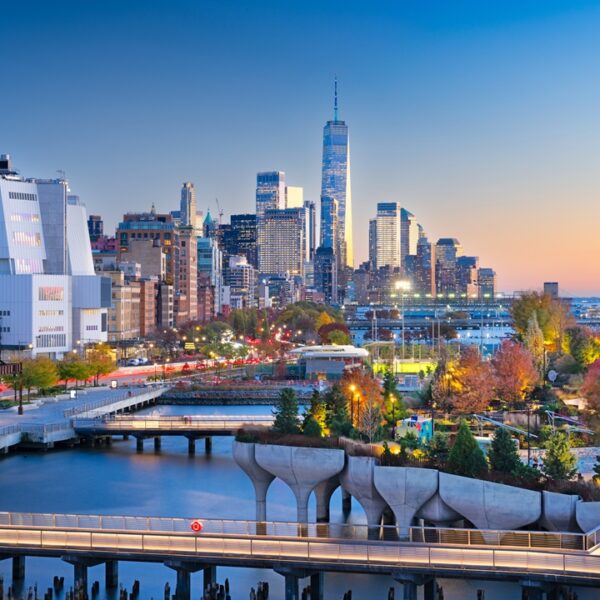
(335, 100)
(62, 174)
(220, 213)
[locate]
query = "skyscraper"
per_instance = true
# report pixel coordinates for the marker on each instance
(388, 232)
(447, 250)
(424, 267)
(486, 281)
(466, 275)
(335, 181)
(329, 224)
(410, 235)
(188, 204)
(270, 192)
(326, 274)
(282, 247)
(311, 224)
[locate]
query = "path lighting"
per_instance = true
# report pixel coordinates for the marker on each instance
(352, 389)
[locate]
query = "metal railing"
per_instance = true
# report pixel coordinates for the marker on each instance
(89, 406)
(8, 429)
(185, 424)
(529, 540)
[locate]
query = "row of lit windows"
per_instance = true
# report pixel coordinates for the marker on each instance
(24, 218)
(51, 328)
(27, 238)
(28, 265)
(22, 196)
(51, 313)
(51, 293)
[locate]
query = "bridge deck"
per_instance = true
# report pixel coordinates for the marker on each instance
(560, 556)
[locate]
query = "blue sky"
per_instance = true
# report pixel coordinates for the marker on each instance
(479, 117)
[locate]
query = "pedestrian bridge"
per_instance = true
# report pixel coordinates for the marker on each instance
(300, 550)
(153, 426)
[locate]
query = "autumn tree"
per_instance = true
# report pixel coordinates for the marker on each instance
(590, 390)
(534, 342)
(581, 344)
(100, 361)
(39, 372)
(515, 372)
(470, 383)
(323, 319)
(360, 388)
(334, 333)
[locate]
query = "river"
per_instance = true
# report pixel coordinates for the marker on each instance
(119, 480)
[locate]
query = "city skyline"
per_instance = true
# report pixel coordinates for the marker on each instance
(503, 162)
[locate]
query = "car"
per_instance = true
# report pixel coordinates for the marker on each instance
(133, 362)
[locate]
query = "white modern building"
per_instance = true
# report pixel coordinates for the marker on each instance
(50, 296)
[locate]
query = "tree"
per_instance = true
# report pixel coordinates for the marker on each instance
(311, 428)
(591, 392)
(582, 346)
(370, 420)
(503, 455)
(317, 410)
(360, 388)
(466, 457)
(100, 361)
(40, 373)
(515, 372)
(470, 382)
(393, 404)
(534, 341)
(286, 413)
(323, 319)
(559, 463)
(73, 368)
(336, 412)
(439, 448)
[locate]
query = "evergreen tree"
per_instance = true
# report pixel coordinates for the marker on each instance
(336, 412)
(503, 454)
(596, 476)
(311, 427)
(286, 413)
(439, 448)
(466, 457)
(558, 462)
(316, 411)
(393, 405)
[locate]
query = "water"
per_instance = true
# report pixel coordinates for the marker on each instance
(118, 480)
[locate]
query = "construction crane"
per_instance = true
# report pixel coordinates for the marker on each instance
(219, 211)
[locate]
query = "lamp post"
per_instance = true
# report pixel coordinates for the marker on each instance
(352, 392)
(403, 285)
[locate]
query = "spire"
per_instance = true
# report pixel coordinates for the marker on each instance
(335, 100)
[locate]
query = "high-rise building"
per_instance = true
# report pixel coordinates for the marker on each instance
(447, 250)
(270, 192)
(294, 197)
(187, 211)
(95, 227)
(186, 275)
(551, 288)
(241, 283)
(486, 281)
(372, 243)
(282, 242)
(325, 274)
(466, 275)
(336, 183)
(124, 313)
(210, 277)
(329, 224)
(388, 235)
(239, 238)
(424, 268)
(409, 235)
(311, 227)
(50, 295)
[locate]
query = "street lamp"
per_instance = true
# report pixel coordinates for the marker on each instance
(352, 388)
(403, 285)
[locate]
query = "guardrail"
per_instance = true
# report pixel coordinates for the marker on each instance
(8, 429)
(88, 406)
(186, 424)
(529, 540)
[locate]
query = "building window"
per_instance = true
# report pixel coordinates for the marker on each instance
(52, 294)
(27, 238)
(22, 196)
(24, 266)
(51, 313)
(24, 218)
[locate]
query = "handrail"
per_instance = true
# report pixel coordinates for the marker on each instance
(8, 429)
(524, 540)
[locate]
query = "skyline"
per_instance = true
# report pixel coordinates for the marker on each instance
(490, 111)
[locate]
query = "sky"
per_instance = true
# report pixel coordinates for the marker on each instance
(481, 118)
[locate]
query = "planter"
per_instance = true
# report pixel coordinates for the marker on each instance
(558, 512)
(436, 511)
(587, 515)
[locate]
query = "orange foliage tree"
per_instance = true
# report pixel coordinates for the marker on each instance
(361, 390)
(591, 389)
(515, 372)
(470, 383)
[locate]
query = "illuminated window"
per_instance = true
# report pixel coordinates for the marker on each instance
(27, 238)
(52, 294)
(24, 218)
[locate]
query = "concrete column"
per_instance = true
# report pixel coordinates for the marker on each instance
(316, 586)
(125, 437)
(429, 588)
(409, 590)
(183, 588)
(18, 568)
(111, 579)
(210, 575)
(208, 445)
(157, 443)
(80, 575)
(191, 446)
(291, 587)
(139, 444)
(346, 502)
(323, 493)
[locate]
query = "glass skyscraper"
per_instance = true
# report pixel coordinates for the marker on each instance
(335, 182)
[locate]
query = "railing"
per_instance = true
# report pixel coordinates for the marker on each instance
(431, 536)
(8, 429)
(167, 423)
(88, 406)
(46, 428)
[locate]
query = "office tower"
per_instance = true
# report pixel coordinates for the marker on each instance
(325, 274)
(239, 238)
(335, 182)
(282, 242)
(240, 283)
(50, 296)
(447, 250)
(388, 232)
(409, 235)
(210, 227)
(311, 227)
(551, 288)
(186, 275)
(95, 227)
(294, 197)
(372, 243)
(424, 268)
(210, 278)
(329, 224)
(270, 192)
(486, 281)
(466, 275)
(187, 211)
